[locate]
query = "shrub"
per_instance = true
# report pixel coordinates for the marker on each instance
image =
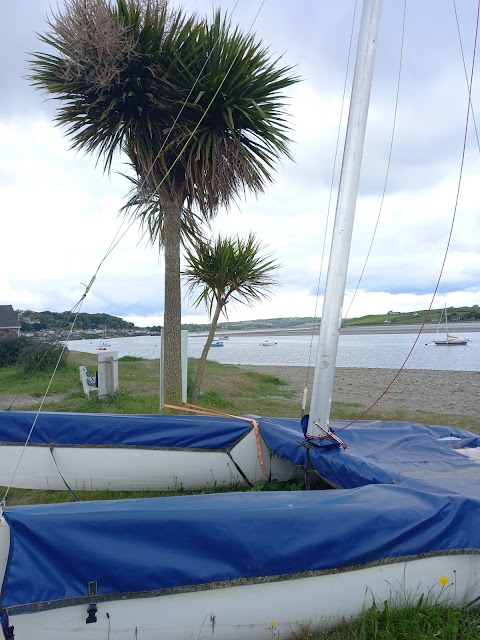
(10, 349)
(42, 356)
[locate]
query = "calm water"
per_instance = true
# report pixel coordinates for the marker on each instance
(371, 351)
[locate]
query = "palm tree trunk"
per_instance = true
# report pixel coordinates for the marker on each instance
(171, 335)
(203, 357)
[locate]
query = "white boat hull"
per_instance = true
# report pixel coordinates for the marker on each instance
(259, 611)
(137, 469)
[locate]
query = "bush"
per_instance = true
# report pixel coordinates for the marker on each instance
(42, 356)
(11, 348)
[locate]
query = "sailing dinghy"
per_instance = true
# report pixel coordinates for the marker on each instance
(97, 452)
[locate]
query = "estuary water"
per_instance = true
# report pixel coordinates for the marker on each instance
(363, 351)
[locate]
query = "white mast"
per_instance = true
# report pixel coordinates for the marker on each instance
(318, 423)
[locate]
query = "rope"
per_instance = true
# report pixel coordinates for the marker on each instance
(114, 243)
(329, 203)
(211, 412)
(79, 303)
(388, 163)
(72, 493)
(465, 71)
(457, 196)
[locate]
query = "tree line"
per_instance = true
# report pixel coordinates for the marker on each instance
(39, 320)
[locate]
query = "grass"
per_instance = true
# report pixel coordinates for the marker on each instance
(44, 496)
(407, 621)
(226, 388)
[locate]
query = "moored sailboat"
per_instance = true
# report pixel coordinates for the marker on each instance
(448, 340)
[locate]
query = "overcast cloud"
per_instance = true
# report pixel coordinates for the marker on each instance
(60, 212)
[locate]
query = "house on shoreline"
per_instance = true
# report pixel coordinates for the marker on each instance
(9, 322)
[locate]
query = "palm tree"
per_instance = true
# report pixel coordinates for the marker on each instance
(197, 108)
(229, 269)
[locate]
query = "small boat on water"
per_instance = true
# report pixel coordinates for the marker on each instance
(268, 343)
(449, 340)
(217, 343)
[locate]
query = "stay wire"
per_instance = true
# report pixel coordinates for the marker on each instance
(465, 70)
(457, 196)
(39, 410)
(387, 173)
(330, 196)
(202, 117)
(45, 354)
(114, 243)
(182, 108)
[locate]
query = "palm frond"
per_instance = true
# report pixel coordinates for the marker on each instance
(146, 208)
(229, 269)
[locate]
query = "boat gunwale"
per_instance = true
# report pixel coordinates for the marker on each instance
(225, 584)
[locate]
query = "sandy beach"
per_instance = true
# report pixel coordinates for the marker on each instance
(453, 392)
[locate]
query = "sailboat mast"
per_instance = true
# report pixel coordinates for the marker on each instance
(342, 233)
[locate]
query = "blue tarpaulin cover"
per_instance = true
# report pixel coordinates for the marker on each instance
(420, 496)
(102, 429)
(150, 545)
(378, 452)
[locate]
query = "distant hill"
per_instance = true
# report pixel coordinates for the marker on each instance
(51, 320)
(455, 314)
(31, 321)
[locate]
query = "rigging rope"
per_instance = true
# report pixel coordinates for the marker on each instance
(114, 243)
(454, 214)
(211, 412)
(337, 145)
(388, 162)
(465, 70)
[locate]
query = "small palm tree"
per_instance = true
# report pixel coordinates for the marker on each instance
(229, 269)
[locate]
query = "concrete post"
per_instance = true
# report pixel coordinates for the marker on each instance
(107, 374)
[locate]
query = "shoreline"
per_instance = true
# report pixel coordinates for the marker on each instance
(415, 390)
(375, 329)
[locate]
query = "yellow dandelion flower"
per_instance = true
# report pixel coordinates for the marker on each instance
(443, 580)
(272, 623)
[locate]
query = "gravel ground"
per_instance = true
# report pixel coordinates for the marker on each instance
(455, 392)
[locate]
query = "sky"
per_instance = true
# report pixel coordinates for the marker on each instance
(60, 211)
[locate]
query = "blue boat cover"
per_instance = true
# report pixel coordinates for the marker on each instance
(419, 497)
(102, 429)
(378, 452)
(155, 545)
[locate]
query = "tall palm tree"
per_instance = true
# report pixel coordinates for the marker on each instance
(229, 269)
(197, 107)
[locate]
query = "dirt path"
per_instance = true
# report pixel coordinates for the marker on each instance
(455, 392)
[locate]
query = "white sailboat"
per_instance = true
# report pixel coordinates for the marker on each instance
(257, 564)
(448, 340)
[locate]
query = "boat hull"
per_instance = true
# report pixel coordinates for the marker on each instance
(139, 469)
(259, 611)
